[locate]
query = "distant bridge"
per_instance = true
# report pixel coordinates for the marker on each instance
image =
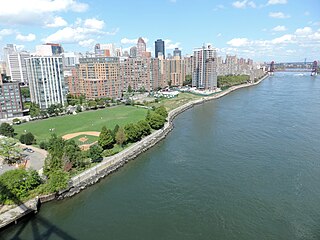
(293, 70)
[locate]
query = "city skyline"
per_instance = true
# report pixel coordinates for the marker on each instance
(280, 30)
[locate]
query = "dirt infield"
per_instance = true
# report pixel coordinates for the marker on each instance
(72, 135)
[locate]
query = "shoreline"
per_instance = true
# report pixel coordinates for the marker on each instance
(112, 163)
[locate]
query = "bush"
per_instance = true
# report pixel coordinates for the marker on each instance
(27, 138)
(44, 145)
(6, 130)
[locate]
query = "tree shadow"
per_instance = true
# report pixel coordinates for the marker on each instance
(47, 228)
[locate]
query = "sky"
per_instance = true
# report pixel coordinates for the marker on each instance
(263, 30)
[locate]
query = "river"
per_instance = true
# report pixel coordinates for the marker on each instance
(245, 166)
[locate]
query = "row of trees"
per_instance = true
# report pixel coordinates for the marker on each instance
(225, 82)
(133, 132)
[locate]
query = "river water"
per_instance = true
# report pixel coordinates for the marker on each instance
(246, 166)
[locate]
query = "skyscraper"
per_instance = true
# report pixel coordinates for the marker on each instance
(49, 49)
(159, 47)
(46, 81)
(15, 63)
(177, 52)
(17, 66)
(204, 68)
(141, 47)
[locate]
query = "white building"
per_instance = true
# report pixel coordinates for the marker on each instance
(46, 81)
(204, 68)
(17, 66)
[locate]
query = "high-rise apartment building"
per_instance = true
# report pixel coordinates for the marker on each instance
(205, 68)
(159, 47)
(98, 77)
(10, 100)
(133, 51)
(46, 80)
(15, 63)
(17, 66)
(141, 47)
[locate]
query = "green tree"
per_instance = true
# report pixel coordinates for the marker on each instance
(105, 139)
(132, 132)
(58, 180)
(188, 80)
(95, 152)
(16, 184)
(53, 161)
(25, 93)
(73, 154)
(9, 150)
(114, 132)
(6, 130)
(162, 111)
(27, 138)
(155, 120)
(121, 136)
(129, 89)
(34, 110)
(92, 104)
(144, 127)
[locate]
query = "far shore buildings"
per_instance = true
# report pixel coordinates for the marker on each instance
(204, 74)
(10, 99)
(46, 80)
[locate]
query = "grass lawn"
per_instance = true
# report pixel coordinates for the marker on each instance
(172, 103)
(86, 121)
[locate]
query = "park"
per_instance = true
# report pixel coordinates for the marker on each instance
(92, 120)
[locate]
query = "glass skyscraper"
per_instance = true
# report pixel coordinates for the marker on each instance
(159, 47)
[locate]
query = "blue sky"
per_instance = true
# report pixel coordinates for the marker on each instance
(265, 30)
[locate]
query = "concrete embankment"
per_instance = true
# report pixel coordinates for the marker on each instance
(111, 164)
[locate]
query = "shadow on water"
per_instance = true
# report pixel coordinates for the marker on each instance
(47, 228)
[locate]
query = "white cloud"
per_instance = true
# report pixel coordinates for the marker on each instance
(6, 32)
(303, 31)
(94, 23)
(274, 2)
(83, 32)
(89, 43)
(238, 42)
(36, 11)
(169, 45)
(219, 34)
(57, 22)
(26, 38)
(244, 4)
(287, 38)
(279, 28)
(278, 15)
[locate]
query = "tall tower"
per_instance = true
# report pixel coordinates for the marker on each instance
(177, 52)
(205, 68)
(159, 48)
(141, 47)
(46, 81)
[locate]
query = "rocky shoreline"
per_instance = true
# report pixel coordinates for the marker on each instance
(111, 164)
